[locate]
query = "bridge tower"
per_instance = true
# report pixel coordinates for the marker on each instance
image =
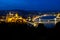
(58, 15)
(57, 19)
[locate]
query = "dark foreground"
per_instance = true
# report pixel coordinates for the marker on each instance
(16, 31)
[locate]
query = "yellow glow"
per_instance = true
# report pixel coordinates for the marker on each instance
(15, 18)
(35, 18)
(1, 19)
(24, 20)
(35, 24)
(9, 19)
(58, 15)
(20, 17)
(16, 15)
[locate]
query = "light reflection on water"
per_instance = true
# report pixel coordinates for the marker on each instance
(49, 25)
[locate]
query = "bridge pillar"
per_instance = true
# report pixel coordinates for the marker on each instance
(39, 20)
(55, 21)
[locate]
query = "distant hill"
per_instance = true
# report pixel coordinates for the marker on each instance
(20, 12)
(26, 12)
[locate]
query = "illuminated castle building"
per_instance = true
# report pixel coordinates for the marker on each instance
(14, 18)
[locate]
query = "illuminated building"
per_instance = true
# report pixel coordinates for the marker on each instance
(9, 17)
(29, 19)
(58, 15)
(34, 20)
(57, 19)
(14, 18)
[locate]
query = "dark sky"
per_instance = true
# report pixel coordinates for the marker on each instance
(30, 4)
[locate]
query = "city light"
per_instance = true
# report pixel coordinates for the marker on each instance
(10, 17)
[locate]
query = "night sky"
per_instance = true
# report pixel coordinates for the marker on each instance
(30, 4)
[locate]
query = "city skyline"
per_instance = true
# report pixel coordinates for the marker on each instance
(34, 20)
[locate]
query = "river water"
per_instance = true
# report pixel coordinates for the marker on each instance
(49, 25)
